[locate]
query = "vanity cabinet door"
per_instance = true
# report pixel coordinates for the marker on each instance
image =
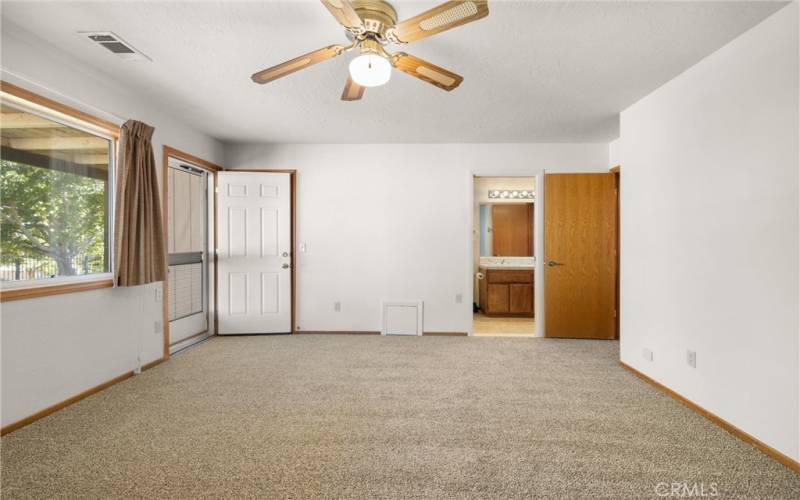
(521, 298)
(498, 299)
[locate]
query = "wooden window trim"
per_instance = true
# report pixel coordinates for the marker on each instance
(111, 128)
(33, 292)
(79, 285)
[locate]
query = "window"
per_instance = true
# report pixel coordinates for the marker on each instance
(55, 195)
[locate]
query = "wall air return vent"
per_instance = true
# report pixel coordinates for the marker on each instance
(114, 44)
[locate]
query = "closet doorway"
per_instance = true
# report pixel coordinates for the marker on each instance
(189, 291)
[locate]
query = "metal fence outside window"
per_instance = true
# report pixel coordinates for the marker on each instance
(38, 267)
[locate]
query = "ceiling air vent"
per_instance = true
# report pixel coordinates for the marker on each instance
(114, 44)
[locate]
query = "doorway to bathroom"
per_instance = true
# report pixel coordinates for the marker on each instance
(504, 213)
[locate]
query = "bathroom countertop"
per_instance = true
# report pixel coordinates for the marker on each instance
(510, 267)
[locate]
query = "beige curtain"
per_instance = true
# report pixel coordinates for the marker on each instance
(138, 231)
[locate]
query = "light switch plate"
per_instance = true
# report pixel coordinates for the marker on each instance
(647, 354)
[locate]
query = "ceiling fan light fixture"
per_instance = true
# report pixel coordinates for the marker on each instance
(370, 70)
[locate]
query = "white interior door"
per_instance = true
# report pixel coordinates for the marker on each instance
(254, 253)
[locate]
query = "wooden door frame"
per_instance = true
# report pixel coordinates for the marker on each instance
(292, 231)
(168, 152)
(538, 238)
(615, 170)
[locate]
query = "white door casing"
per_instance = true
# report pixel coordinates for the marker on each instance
(254, 252)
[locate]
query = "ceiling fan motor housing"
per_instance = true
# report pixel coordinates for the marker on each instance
(378, 15)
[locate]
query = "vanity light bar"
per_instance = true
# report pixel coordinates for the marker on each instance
(497, 194)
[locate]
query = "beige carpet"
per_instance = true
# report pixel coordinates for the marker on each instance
(371, 417)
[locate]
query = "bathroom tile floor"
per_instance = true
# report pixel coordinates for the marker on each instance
(486, 326)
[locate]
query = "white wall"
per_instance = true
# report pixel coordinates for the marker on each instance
(613, 153)
(710, 226)
(56, 347)
(393, 221)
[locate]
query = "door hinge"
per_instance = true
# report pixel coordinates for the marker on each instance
(216, 190)
(615, 313)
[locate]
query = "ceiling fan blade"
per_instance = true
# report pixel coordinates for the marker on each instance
(416, 67)
(296, 64)
(344, 13)
(352, 91)
(441, 18)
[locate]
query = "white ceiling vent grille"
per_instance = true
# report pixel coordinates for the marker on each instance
(114, 44)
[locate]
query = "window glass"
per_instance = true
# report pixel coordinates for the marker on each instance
(54, 197)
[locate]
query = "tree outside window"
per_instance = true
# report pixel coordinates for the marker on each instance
(53, 199)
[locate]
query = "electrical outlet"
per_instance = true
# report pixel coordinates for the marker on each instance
(337, 306)
(459, 298)
(691, 358)
(157, 294)
(647, 354)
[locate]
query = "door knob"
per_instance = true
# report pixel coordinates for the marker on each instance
(552, 263)
(285, 266)
(285, 254)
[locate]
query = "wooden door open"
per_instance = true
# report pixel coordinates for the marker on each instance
(580, 246)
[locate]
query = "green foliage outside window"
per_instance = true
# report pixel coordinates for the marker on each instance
(53, 222)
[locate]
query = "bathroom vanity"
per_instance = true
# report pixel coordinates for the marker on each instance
(506, 290)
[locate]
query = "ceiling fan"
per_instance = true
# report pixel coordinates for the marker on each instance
(371, 25)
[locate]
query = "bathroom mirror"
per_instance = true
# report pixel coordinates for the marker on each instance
(506, 229)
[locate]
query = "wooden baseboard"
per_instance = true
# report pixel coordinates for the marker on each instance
(63, 404)
(152, 364)
(444, 334)
(747, 438)
(74, 399)
(326, 332)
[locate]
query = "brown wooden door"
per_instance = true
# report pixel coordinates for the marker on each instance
(580, 255)
(512, 230)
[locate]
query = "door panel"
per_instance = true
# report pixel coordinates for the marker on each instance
(171, 210)
(498, 298)
(521, 298)
(182, 200)
(198, 213)
(580, 255)
(254, 255)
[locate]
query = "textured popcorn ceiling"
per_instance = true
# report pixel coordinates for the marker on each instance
(533, 71)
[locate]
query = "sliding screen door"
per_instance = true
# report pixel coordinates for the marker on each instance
(254, 253)
(187, 253)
